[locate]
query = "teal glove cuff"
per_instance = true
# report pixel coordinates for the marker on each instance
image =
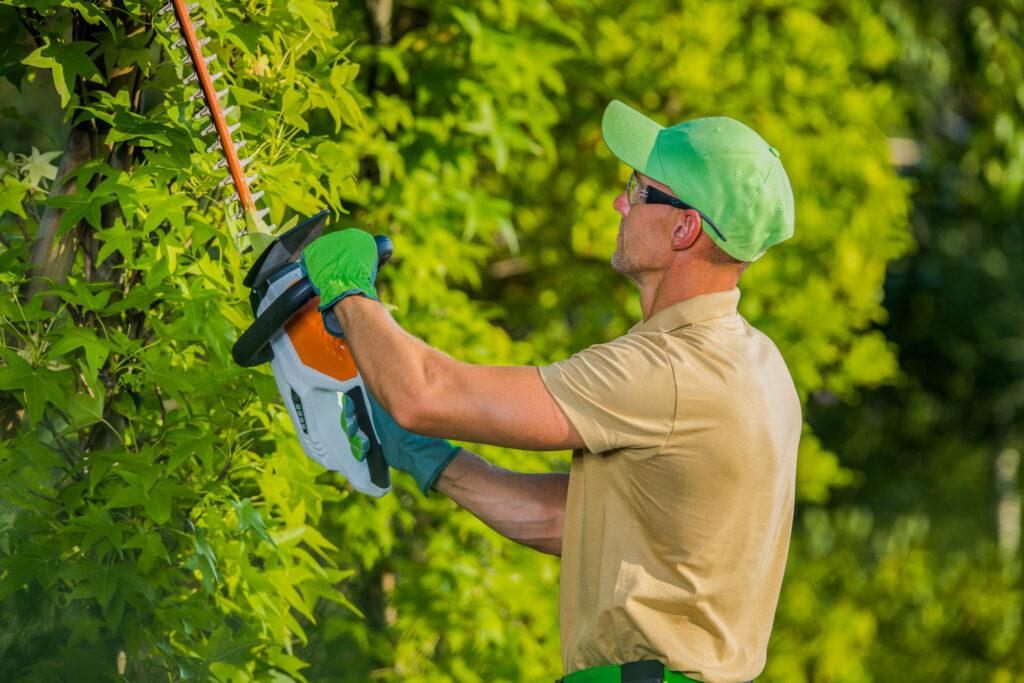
(423, 457)
(340, 264)
(442, 463)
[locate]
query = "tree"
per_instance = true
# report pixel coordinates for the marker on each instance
(157, 519)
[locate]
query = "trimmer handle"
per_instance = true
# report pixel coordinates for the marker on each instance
(253, 346)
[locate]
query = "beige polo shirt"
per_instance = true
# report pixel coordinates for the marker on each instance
(678, 515)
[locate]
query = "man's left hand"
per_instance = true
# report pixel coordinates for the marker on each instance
(340, 264)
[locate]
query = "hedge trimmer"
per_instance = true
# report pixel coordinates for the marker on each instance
(315, 372)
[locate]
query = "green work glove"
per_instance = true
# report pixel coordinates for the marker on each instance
(340, 264)
(423, 457)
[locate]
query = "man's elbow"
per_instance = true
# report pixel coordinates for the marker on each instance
(548, 546)
(412, 411)
(423, 406)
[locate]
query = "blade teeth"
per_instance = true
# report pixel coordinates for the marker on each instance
(250, 179)
(210, 59)
(221, 163)
(190, 8)
(262, 212)
(229, 110)
(232, 198)
(233, 127)
(240, 144)
(216, 76)
(213, 146)
(204, 41)
(272, 228)
(222, 93)
(257, 195)
(179, 43)
(209, 129)
(223, 182)
(191, 78)
(202, 113)
(195, 96)
(245, 162)
(169, 7)
(198, 24)
(238, 216)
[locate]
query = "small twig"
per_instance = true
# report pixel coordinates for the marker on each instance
(43, 496)
(33, 31)
(20, 222)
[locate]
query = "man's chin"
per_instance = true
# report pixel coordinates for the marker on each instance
(619, 264)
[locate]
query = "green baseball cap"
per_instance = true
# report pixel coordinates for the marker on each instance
(717, 165)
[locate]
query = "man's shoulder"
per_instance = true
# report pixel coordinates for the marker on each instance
(632, 347)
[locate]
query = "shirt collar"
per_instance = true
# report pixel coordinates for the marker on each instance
(692, 310)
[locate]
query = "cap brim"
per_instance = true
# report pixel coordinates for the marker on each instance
(629, 135)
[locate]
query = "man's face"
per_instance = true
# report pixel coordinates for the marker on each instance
(644, 241)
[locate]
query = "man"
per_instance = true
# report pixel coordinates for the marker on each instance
(674, 522)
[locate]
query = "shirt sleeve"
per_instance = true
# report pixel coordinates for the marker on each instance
(621, 394)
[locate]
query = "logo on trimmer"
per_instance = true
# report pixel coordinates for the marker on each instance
(350, 424)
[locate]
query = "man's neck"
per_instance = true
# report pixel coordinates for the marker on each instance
(659, 291)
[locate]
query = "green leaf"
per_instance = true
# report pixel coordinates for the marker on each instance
(204, 560)
(92, 296)
(95, 350)
(103, 584)
(164, 206)
(90, 12)
(67, 62)
(158, 505)
(127, 496)
(84, 410)
(39, 385)
(227, 648)
(12, 195)
(101, 580)
(38, 167)
(32, 563)
(97, 524)
(82, 204)
(249, 519)
(350, 111)
(151, 548)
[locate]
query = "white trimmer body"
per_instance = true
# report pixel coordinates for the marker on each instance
(324, 394)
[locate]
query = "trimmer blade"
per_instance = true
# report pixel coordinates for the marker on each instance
(286, 249)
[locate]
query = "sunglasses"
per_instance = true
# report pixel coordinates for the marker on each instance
(638, 193)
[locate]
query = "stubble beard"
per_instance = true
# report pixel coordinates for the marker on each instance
(620, 262)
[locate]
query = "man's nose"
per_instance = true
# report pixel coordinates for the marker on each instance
(621, 204)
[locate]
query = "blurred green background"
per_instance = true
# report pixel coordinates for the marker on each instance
(157, 519)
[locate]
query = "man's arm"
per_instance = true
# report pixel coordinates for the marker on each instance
(431, 393)
(526, 508)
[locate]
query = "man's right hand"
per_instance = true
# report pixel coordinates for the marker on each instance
(423, 457)
(526, 508)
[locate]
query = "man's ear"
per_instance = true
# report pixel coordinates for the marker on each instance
(686, 230)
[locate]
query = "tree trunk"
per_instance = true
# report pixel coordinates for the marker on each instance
(51, 262)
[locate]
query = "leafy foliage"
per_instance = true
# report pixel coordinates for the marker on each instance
(155, 508)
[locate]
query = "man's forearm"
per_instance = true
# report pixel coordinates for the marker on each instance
(393, 363)
(433, 394)
(526, 508)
